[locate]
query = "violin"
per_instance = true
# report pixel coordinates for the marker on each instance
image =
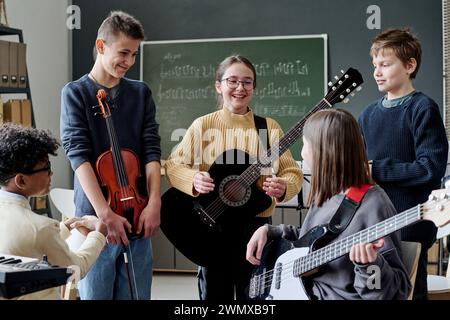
(119, 170)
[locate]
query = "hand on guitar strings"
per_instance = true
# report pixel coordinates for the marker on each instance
(366, 253)
(275, 187)
(203, 183)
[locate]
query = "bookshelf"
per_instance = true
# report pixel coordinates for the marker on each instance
(39, 205)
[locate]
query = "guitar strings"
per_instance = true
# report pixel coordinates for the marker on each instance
(324, 254)
(286, 274)
(217, 207)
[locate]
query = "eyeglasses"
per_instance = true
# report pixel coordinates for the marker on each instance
(233, 83)
(47, 168)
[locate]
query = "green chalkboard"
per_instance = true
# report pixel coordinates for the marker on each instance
(291, 79)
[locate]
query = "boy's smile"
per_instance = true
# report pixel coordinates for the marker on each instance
(119, 55)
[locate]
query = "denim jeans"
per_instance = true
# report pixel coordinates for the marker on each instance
(108, 280)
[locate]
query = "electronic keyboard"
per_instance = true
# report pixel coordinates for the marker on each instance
(23, 275)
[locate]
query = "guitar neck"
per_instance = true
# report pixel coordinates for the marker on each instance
(253, 172)
(341, 247)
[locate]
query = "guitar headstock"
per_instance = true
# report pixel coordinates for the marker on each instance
(346, 84)
(437, 208)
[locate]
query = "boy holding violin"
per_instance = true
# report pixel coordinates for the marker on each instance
(85, 137)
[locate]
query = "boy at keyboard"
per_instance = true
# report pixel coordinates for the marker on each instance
(25, 171)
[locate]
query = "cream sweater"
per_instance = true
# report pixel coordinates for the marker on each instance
(209, 136)
(25, 233)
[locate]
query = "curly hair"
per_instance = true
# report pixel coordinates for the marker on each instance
(22, 148)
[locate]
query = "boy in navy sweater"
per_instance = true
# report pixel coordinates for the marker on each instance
(84, 136)
(405, 137)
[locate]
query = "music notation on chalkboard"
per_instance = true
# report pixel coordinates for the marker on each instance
(291, 78)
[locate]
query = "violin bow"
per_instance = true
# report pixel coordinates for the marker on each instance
(128, 264)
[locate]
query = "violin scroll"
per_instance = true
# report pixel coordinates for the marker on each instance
(101, 94)
(104, 107)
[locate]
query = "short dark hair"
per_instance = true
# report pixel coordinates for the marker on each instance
(402, 42)
(119, 21)
(338, 150)
(22, 148)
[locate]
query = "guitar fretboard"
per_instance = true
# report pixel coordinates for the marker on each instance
(339, 248)
(253, 172)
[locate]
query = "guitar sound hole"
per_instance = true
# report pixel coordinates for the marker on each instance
(233, 191)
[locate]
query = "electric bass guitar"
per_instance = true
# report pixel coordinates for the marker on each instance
(284, 267)
(201, 227)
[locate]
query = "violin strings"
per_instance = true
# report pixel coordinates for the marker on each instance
(124, 190)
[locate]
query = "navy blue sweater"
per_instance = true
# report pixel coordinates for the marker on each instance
(409, 147)
(84, 135)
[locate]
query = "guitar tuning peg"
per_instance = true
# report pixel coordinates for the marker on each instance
(359, 88)
(346, 100)
(342, 71)
(443, 196)
(336, 77)
(330, 84)
(347, 90)
(341, 97)
(352, 94)
(431, 197)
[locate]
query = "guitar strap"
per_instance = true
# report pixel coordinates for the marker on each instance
(338, 223)
(347, 209)
(261, 124)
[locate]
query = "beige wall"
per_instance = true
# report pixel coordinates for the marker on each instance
(49, 65)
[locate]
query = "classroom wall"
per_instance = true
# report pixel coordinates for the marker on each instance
(49, 65)
(51, 45)
(345, 22)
